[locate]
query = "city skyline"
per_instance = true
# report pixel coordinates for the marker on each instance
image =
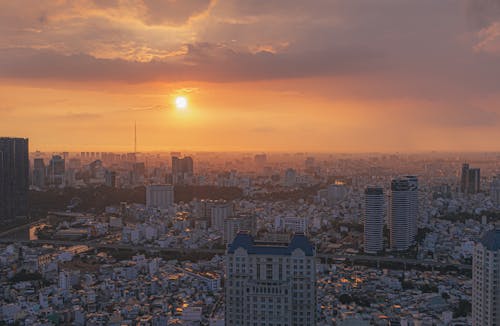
(333, 77)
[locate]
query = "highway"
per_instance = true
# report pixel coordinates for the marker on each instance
(187, 251)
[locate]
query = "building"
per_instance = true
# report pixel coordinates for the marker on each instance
(270, 283)
(336, 193)
(14, 178)
(182, 169)
(470, 181)
(242, 222)
(495, 191)
(57, 170)
(39, 173)
(220, 211)
(291, 224)
(403, 212)
(374, 219)
(159, 196)
(485, 285)
(464, 178)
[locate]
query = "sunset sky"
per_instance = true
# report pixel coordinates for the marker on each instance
(317, 75)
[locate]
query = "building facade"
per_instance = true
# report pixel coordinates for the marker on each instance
(486, 280)
(270, 283)
(374, 220)
(403, 212)
(14, 178)
(159, 196)
(470, 180)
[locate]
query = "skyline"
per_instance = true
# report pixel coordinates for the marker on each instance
(391, 76)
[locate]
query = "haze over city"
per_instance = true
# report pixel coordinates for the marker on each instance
(250, 162)
(333, 76)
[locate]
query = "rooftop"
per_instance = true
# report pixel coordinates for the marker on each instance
(491, 240)
(247, 242)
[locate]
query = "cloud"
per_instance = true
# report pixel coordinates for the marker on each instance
(204, 61)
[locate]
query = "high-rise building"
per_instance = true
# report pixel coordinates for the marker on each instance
(495, 191)
(374, 219)
(57, 169)
(159, 196)
(413, 183)
(220, 210)
(336, 193)
(470, 180)
(39, 172)
(403, 212)
(182, 169)
(474, 182)
(14, 178)
(241, 222)
(464, 178)
(270, 283)
(485, 276)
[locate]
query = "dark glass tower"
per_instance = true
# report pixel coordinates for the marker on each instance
(14, 178)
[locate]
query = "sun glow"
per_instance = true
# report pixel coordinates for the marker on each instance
(181, 102)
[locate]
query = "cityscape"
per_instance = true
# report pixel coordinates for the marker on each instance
(250, 163)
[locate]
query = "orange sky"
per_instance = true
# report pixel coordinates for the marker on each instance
(390, 75)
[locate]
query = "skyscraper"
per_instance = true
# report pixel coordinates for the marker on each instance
(270, 283)
(182, 168)
(39, 172)
(14, 178)
(57, 170)
(495, 191)
(485, 285)
(374, 219)
(474, 182)
(470, 181)
(403, 212)
(464, 178)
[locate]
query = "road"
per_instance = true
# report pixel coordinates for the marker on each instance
(185, 251)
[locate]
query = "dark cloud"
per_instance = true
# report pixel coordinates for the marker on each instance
(204, 61)
(481, 13)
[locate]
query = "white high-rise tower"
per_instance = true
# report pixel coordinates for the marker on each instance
(403, 212)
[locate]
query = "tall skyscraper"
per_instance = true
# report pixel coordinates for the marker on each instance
(374, 219)
(39, 172)
(270, 283)
(470, 180)
(403, 212)
(464, 178)
(474, 182)
(57, 170)
(495, 191)
(485, 277)
(159, 196)
(14, 178)
(182, 169)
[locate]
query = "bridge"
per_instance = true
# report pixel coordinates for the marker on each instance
(189, 251)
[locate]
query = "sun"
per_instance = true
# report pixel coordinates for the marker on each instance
(181, 102)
